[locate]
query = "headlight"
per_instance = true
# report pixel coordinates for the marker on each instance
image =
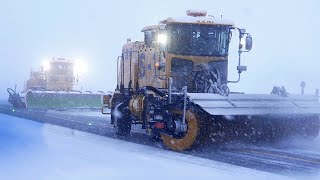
(46, 65)
(162, 38)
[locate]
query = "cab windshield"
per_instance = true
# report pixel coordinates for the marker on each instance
(198, 40)
(61, 68)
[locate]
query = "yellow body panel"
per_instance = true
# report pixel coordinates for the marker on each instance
(59, 77)
(147, 63)
(144, 61)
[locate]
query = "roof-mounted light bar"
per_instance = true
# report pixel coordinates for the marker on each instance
(196, 13)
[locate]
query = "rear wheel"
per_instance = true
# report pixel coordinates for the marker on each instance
(122, 124)
(120, 116)
(195, 135)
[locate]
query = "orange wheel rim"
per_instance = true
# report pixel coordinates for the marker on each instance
(190, 137)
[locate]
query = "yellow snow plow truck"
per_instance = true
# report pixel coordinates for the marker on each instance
(175, 84)
(52, 87)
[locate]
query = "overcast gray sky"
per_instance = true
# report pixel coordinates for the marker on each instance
(286, 37)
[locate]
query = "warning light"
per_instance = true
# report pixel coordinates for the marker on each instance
(195, 13)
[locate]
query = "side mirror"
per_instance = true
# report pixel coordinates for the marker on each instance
(241, 68)
(248, 42)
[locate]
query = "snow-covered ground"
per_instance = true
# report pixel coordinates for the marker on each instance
(31, 150)
(88, 113)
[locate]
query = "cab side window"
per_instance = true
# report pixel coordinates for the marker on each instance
(149, 37)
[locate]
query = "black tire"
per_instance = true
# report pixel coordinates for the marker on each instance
(154, 136)
(120, 117)
(122, 124)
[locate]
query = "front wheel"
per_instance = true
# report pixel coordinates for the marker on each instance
(196, 134)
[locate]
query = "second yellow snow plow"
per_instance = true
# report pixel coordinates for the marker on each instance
(175, 84)
(52, 88)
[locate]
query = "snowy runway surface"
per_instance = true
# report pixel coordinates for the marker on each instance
(68, 151)
(31, 150)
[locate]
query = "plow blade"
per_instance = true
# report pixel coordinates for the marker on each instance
(261, 117)
(62, 100)
(256, 104)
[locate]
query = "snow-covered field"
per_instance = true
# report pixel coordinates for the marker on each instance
(31, 150)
